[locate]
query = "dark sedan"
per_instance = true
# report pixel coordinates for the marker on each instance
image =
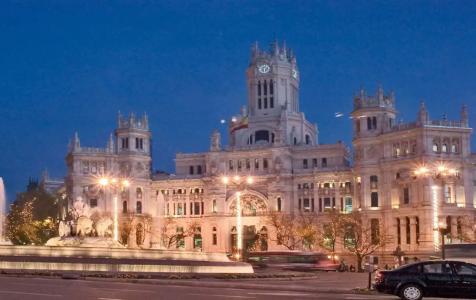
(438, 278)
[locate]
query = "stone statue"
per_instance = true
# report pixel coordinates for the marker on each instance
(103, 227)
(84, 226)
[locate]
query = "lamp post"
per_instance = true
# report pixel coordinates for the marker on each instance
(438, 172)
(240, 184)
(443, 230)
(114, 185)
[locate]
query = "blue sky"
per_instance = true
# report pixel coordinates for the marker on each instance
(67, 67)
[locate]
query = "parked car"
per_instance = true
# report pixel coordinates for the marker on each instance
(438, 278)
(292, 260)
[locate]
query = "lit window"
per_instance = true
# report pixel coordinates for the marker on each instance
(444, 148)
(139, 207)
(435, 147)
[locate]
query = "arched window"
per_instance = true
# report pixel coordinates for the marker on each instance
(271, 88)
(124, 207)
(140, 236)
(278, 203)
(261, 135)
(139, 207)
(214, 206)
(259, 88)
(444, 148)
(214, 236)
(265, 88)
(435, 147)
(308, 139)
(139, 193)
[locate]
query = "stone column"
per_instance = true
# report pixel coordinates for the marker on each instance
(403, 233)
(413, 232)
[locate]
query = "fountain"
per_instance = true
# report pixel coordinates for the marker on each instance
(3, 203)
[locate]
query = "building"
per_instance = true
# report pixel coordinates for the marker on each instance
(405, 178)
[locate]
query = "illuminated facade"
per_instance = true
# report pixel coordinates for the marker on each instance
(272, 142)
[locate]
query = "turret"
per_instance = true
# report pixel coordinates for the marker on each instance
(373, 115)
(464, 116)
(215, 141)
(423, 116)
(133, 135)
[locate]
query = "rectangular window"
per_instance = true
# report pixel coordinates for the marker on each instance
(248, 164)
(271, 102)
(271, 87)
(374, 231)
(265, 163)
(196, 208)
(265, 103)
(307, 205)
(406, 195)
(179, 209)
(324, 162)
(314, 162)
(348, 205)
(312, 204)
(256, 164)
(374, 199)
(300, 204)
(320, 204)
(259, 103)
(215, 240)
(191, 170)
(373, 181)
(327, 203)
(304, 163)
(278, 203)
(239, 165)
(93, 203)
(230, 165)
(199, 169)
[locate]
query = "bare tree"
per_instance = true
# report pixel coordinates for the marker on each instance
(361, 238)
(128, 223)
(333, 230)
(171, 233)
(294, 231)
(466, 229)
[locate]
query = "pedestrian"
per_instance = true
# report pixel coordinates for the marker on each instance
(352, 268)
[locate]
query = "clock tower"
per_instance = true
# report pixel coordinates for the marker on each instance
(273, 116)
(273, 81)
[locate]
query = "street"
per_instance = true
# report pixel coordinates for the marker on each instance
(21, 288)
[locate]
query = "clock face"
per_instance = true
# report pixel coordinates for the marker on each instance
(295, 73)
(264, 68)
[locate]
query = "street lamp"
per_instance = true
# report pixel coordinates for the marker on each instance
(240, 184)
(114, 184)
(437, 172)
(443, 230)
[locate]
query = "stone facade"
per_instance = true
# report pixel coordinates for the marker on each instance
(272, 141)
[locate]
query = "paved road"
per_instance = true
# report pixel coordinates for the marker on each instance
(12, 288)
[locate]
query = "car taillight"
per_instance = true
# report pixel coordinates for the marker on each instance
(378, 276)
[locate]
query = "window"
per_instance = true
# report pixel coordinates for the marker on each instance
(197, 239)
(140, 234)
(265, 86)
(214, 206)
(295, 141)
(271, 87)
(407, 229)
(139, 143)
(199, 170)
(406, 195)
(265, 163)
(261, 135)
(214, 236)
(139, 193)
(179, 209)
(180, 243)
(196, 208)
(271, 102)
(314, 162)
(239, 165)
(125, 143)
(278, 203)
(448, 198)
(230, 165)
(437, 268)
(191, 170)
(256, 164)
(248, 164)
(327, 203)
(259, 103)
(369, 123)
(304, 163)
(93, 203)
(312, 204)
(308, 139)
(373, 181)
(320, 204)
(259, 88)
(374, 231)
(124, 207)
(399, 233)
(465, 269)
(435, 147)
(139, 207)
(265, 103)
(307, 206)
(374, 122)
(324, 162)
(300, 204)
(444, 148)
(454, 148)
(417, 229)
(348, 205)
(374, 199)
